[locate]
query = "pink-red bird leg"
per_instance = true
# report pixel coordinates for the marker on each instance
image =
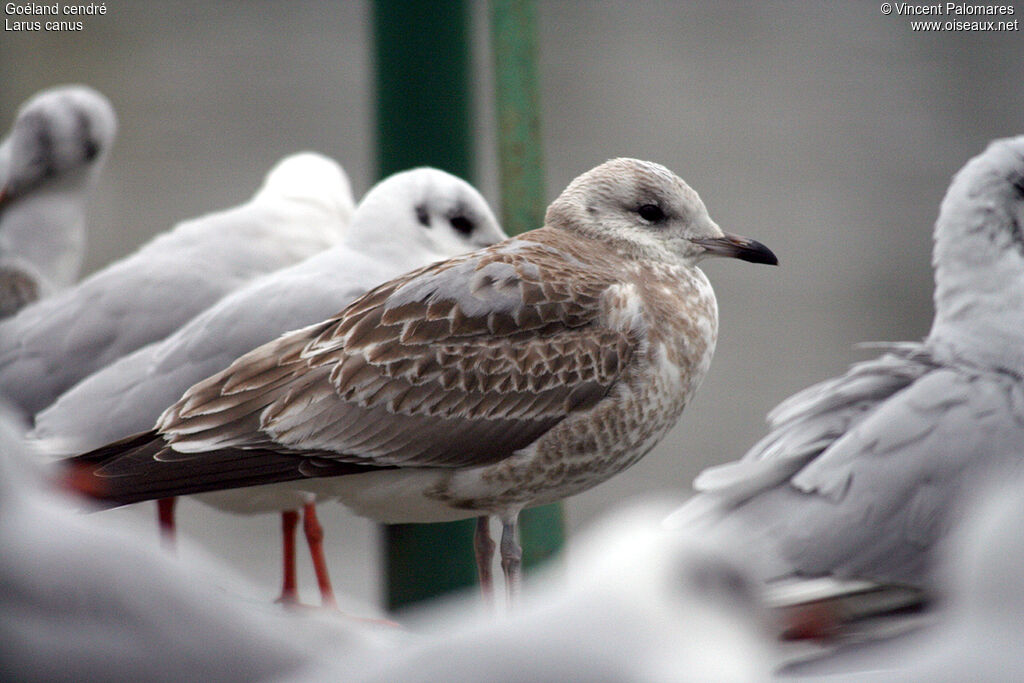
(315, 539)
(165, 520)
(289, 582)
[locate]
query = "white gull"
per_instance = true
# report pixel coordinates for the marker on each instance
(49, 163)
(861, 476)
(302, 208)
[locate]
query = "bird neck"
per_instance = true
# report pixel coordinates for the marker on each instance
(979, 286)
(47, 229)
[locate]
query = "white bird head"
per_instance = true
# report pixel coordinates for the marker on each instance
(60, 135)
(310, 178)
(979, 261)
(648, 211)
(424, 210)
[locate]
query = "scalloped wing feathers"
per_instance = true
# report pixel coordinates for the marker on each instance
(459, 363)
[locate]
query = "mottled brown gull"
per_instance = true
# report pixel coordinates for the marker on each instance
(513, 376)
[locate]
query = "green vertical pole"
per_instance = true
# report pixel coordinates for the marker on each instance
(521, 171)
(517, 101)
(423, 118)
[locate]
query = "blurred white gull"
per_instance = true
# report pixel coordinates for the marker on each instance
(862, 475)
(49, 162)
(302, 208)
(979, 628)
(86, 600)
(408, 220)
(635, 604)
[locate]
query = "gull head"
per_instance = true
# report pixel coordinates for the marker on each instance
(311, 178)
(60, 135)
(979, 260)
(645, 210)
(427, 211)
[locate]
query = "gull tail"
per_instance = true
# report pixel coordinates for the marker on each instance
(131, 470)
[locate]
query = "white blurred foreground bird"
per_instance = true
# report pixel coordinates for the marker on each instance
(636, 604)
(302, 208)
(49, 163)
(862, 475)
(513, 376)
(85, 600)
(978, 627)
(406, 221)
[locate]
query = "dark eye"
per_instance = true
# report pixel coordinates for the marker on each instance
(651, 213)
(461, 224)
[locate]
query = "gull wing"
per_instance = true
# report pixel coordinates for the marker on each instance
(457, 364)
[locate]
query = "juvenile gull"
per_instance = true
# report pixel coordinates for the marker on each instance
(513, 376)
(301, 209)
(406, 221)
(861, 476)
(48, 164)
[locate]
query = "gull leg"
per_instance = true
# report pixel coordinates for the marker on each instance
(484, 546)
(511, 558)
(289, 584)
(315, 539)
(165, 520)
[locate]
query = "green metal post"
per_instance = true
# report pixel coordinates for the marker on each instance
(517, 101)
(423, 118)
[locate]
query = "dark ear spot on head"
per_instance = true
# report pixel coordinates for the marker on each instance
(90, 147)
(461, 224)
(1018, 185)
(423, 216)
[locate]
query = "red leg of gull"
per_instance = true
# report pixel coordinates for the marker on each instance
(315, 538)
(289, 584)
(165, 519)
(484, 546)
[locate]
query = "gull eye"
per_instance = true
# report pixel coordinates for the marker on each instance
(651, 213)
(461, 224)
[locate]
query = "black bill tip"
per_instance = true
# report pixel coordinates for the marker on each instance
(742, 248)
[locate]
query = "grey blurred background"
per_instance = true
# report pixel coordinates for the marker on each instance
(829, 131)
